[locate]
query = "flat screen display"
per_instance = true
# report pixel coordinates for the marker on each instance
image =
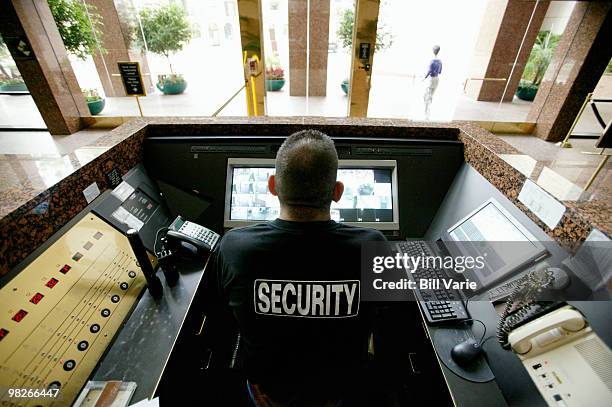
(368, 195)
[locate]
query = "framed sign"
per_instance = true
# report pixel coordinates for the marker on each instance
(132, 78)
(364, 50)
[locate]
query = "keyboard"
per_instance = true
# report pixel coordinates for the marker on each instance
(438, 304)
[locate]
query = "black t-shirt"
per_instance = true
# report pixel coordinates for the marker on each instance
(293, 288)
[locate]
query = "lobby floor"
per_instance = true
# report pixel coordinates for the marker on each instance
(19, 111)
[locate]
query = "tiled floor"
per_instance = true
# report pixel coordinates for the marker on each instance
(20, 111)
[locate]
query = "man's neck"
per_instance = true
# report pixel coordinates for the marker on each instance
(304, 214)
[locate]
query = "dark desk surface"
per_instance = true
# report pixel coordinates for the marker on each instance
(512, 385)
(141, 350)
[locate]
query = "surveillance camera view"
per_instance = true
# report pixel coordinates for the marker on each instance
(367, 196)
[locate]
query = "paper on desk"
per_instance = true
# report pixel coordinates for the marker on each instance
(147, 403)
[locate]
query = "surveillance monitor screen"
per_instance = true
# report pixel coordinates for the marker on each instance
(367, 198)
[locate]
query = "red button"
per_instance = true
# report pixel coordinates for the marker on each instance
(20, 315)
(51, 283)
(65, 269)
(36, 299)
(3, 333)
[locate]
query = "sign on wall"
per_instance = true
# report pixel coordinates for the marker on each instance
(132, 78)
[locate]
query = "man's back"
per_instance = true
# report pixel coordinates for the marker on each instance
(294, 289)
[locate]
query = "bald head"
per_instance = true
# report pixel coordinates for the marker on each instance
(306, 169)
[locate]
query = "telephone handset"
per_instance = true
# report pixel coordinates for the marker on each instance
(550, 328)
(190, 236)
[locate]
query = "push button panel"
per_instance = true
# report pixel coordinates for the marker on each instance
(59, 314)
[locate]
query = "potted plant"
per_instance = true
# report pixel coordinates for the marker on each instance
(166, 30)
(95, 102)
(275, 79)
(12, 84)
(10, 79)
(345, 86)
(384, 38)
(537, 64)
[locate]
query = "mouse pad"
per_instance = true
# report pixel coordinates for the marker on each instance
(445, 339)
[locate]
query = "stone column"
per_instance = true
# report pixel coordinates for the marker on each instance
(579, 61)
(364, 32)
(28, 29)
(318, 15)
(117, 49)
(501, 34)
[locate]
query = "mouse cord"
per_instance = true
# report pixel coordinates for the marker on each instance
(482, 338)
(484, 333)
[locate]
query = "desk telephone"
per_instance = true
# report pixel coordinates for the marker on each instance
(189, 235)
(568, 362)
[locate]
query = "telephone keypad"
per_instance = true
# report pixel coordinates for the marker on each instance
(199, 232)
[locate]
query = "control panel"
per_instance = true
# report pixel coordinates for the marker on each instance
(60, 313)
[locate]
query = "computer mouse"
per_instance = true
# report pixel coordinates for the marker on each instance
(465, 352)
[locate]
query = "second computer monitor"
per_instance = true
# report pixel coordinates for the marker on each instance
(369, 199)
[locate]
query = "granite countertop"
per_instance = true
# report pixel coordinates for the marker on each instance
(40, 193)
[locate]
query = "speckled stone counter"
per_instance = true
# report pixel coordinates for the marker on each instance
(39, 194)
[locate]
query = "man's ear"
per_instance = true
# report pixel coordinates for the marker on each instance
(338, 191)
(272, 185)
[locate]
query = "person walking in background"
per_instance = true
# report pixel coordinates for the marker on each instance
(433, 73)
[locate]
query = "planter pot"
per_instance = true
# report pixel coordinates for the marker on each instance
(345, 87)
(172, 87)
(274, 85)
(526, 93)
(13, 87)
(96, 106)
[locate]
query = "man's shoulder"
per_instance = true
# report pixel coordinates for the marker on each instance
(244, 231)
(360, 232)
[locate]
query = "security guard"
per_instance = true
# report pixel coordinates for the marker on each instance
(293, 285)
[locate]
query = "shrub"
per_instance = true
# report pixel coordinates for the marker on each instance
(166, 30)
(540, 57)
(91, 95)
(384, 39)
(79, 25)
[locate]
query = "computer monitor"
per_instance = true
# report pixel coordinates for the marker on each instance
(369, 199)
(491, 229)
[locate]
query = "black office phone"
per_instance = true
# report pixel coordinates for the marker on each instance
(190, 235)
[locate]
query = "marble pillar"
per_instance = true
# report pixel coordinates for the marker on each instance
(514, 30)
(578, 62)
(117, 49)
(505, 25)
(318, 42)
(28, 29)
(364, 35)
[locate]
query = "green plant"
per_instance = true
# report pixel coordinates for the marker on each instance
(6, 73)
(275, 74)
(539, 58)
(384, 39)
(79, 25)
(273, 61)
(171, 79)
(166, 30)
(91, 95)
(11, 81)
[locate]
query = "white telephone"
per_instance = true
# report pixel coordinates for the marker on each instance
(569, 364)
